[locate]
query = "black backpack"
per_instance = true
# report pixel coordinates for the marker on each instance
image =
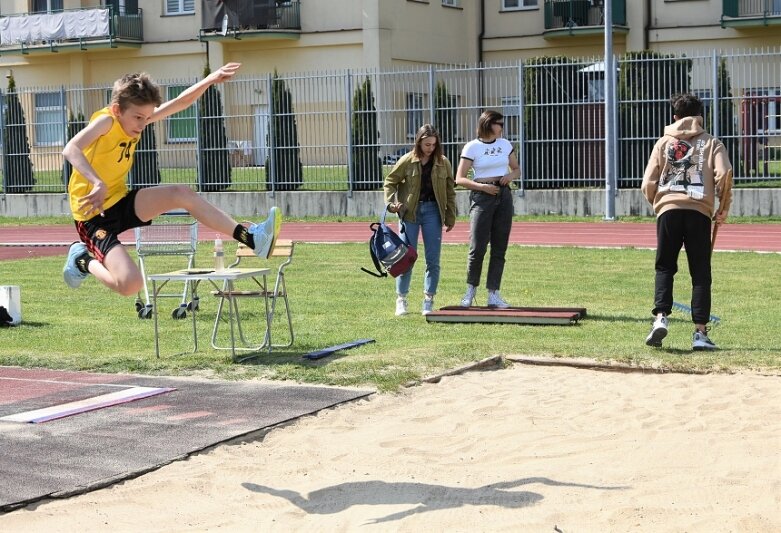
(389, 253)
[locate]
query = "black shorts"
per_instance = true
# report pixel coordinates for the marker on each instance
(101, 233)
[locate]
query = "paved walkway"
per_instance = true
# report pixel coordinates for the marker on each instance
(29, 241)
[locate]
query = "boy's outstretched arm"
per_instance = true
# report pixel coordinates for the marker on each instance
(190, 95)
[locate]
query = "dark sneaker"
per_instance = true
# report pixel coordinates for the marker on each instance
(658, 332)
(70, 273)
(700, 341)
(265, 233)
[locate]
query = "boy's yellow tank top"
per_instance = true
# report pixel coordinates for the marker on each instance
(111, 155)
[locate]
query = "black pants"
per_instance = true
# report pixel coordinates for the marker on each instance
(674, 229)
(491, 219)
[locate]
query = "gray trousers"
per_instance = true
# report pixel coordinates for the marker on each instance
(491, 219)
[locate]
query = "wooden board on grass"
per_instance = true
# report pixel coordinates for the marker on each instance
(580, 311)
(504, 316)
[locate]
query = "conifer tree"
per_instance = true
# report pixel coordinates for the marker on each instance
(287, 173)
(146, 167)
(75, 125)
(17, 165)
(445, 123)
(366, 164)
(214, 158)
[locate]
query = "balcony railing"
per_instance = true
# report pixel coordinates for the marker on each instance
(220, 21)
(82, 28)
(575, 15)
(751, 12)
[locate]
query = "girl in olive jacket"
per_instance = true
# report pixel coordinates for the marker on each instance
(421, 190)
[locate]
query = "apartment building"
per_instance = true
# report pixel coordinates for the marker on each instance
(86, 44)
(89, 42)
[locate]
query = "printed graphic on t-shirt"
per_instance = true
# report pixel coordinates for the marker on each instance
(683, 172)
(493, 150)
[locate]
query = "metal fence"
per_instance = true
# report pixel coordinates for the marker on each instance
(343, 130)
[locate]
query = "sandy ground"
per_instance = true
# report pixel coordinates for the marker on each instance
(525, 448)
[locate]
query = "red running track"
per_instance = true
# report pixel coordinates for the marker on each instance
(732, 237)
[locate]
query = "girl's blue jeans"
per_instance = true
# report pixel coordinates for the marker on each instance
(427, 220)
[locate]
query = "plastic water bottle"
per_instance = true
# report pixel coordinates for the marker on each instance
(219, 255)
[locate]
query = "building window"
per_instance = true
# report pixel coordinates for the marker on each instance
(509, 5)
(49, 125)
(179, 7)
(414, 113)
(181, 127)
(46, 6)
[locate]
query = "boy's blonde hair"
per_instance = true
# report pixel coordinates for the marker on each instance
(136, 89)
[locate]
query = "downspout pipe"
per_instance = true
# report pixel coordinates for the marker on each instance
(481, 34)
(480, 37)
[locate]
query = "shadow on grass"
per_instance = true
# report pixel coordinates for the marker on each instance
(616, 318)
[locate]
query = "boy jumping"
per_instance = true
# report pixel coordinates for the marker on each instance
(102, 154)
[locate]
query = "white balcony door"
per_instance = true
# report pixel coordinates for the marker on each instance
(260, 150)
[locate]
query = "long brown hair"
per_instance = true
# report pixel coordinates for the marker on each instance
(425, 131)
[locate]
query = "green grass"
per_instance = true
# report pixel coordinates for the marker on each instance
(334, 302)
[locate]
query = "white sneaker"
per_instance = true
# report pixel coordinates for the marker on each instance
(658, 332)
(428, 305)
(700, 341)
(265, 233)
(495, 300)
(469, 296)
(401, 306)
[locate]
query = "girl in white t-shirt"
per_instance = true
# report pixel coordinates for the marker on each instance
(494, 165)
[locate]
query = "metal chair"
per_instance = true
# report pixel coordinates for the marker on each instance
(283, 254)
(173, 234)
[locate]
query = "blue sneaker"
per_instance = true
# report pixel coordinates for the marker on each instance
(265, 233)
(70, 273)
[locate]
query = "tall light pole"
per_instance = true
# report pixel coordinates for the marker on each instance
(610, 109)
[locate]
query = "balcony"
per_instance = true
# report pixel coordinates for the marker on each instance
(100, 27)
(581, 17)
(223, 20)
(750, 13)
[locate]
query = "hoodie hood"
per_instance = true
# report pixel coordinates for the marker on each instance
(685, 128)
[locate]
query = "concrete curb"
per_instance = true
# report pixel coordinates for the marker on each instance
(591, 364)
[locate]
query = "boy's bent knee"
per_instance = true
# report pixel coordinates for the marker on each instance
(130, 286)
(129, 289)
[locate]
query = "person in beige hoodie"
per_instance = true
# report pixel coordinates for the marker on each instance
(687, 172)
